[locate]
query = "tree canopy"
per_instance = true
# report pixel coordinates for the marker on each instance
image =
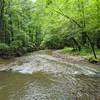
(54, 24)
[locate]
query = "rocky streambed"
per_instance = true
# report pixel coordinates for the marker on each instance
(43, 75)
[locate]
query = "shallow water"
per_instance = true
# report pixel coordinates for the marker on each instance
(39, 76)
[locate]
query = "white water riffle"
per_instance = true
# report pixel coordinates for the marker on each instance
(47, 63)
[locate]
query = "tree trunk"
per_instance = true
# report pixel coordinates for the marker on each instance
(77, 44)
(92, 46)
(2, 34)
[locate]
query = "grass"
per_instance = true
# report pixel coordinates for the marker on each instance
(87, 53)
(67, 49)
(83, 52)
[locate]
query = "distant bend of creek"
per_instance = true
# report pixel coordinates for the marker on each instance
(40, 76)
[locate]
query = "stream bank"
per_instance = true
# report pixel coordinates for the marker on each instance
(74, 57)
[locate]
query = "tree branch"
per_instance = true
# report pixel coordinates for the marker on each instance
(71, 19)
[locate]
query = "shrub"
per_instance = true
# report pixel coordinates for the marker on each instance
(22, 37)
(68, 49)
(3, 46)
(16, 44)
(30, 47)
(5, 51)
(17, 47)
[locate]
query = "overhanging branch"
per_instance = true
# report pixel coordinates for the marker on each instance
(71, 19)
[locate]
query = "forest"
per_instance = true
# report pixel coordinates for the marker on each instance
(49, 49)
(30, 25)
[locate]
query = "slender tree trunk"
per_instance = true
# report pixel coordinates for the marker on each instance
(77, 44)
(2, 34)
(92, 46)
(98, 23)
(82, 14)
(1, 14)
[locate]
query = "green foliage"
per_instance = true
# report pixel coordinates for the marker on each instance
(51, 42)
(30, 47)
(54, 24)
(16, 44)
(17, 48)
(3, 46)
(68, 49)
(22, 37)
(84, 52)
(4, 50)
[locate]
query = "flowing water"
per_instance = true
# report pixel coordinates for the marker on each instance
(40, 76)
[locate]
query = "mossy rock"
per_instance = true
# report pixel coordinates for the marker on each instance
(94, 60)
